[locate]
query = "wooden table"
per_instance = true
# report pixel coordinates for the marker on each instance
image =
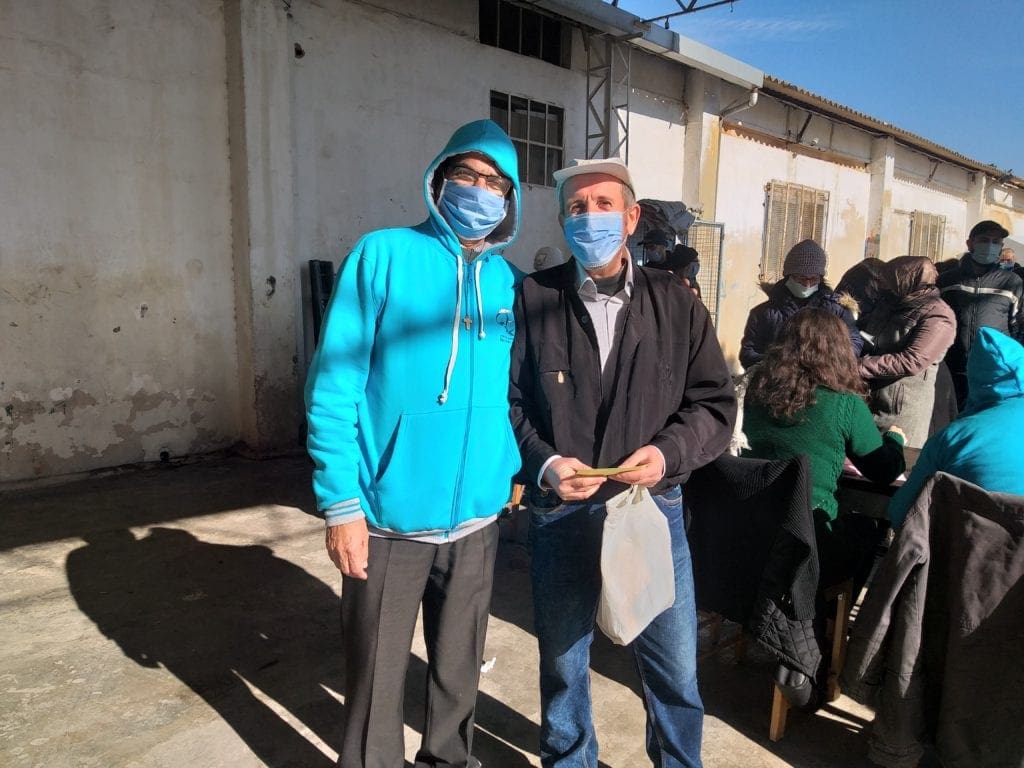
(858, 495)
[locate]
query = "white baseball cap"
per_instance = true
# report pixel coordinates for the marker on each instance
(613, 166)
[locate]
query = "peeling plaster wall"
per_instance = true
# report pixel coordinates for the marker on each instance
(116, 308)
(745, 167)
(360, 151)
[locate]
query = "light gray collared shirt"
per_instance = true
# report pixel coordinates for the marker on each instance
(606, 312)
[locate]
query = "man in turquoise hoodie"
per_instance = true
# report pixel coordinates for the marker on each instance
(982, 445)
(413, 449)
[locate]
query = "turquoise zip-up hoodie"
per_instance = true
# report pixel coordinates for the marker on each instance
(982, 445)
(407, 396)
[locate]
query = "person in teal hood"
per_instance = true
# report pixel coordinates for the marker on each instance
(982, 445)
(413, 450)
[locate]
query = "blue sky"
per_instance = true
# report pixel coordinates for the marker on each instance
(950, 71)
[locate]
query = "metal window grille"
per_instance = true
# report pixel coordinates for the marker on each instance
(536, 130)
(926, 235)
(522, 30)
(792, 213)
(706, 238)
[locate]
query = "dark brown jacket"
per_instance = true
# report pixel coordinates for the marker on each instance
(906, 335)
(936, 648)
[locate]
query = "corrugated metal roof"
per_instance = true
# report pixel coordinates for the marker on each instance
(788, 92)
(674, 46)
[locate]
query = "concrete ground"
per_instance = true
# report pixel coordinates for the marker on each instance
(188, 616)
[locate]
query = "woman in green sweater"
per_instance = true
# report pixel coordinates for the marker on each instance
(807, 396)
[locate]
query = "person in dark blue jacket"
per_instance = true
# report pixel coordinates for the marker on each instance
(802, 286)
(413, 449)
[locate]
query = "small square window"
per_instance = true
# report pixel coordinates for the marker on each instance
(536, 131)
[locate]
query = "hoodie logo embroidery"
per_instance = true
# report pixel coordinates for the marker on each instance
(507, 321)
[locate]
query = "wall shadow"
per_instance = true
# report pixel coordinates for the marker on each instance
(220, 616)
(152, 495)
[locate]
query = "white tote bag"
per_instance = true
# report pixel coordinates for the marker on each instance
(637, 578)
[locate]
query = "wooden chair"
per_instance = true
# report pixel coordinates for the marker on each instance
(838, 633)
(514, 521)
(749, 514)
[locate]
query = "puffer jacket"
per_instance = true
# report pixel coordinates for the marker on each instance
(766, 319)
(991, 299)
(906, 336)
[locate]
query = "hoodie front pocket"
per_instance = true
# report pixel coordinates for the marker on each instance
(416, 488)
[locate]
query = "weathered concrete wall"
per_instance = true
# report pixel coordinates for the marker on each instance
(376, 96)
(266, 273)
(116, 305)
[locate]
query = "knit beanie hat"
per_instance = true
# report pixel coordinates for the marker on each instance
(805, 258)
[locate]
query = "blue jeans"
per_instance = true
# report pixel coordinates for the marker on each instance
(566, 573)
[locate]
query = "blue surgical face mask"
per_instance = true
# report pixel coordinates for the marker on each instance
(800, 291)
(594, 238)
(693, 269)
(472, 212)
(1006, 265)
(986, 253)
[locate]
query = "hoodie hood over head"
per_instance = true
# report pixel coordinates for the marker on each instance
(995, 370)
(486, 138)
(482, 137)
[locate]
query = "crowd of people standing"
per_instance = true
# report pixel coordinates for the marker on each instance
(442, 374)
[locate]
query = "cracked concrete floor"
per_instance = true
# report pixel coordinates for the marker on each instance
(188, 616)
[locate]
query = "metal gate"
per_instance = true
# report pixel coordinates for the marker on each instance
(706, 237)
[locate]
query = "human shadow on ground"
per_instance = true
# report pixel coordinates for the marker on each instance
(228, 619)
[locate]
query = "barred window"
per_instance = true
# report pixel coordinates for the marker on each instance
(525, 31)
(926, 234)
(792, 213)
(536, 130)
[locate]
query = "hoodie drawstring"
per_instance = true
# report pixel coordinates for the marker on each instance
(481, 334)
(443, 397)
(479, 300)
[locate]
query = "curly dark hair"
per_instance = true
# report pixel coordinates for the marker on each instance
(813, 350)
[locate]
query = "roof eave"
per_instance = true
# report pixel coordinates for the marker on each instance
(658, 40)
(788, 92)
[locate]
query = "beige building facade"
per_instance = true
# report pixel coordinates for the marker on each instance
(167, 170)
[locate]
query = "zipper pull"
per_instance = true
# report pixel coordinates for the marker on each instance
(561, 377)
(467, 321)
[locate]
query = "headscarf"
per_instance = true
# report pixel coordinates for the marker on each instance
(911, 280)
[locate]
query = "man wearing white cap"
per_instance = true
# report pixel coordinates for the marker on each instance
(613, 365)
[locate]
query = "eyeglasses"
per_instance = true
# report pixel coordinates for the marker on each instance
(495, 182)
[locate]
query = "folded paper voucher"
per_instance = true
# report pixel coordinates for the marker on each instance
(606, 471)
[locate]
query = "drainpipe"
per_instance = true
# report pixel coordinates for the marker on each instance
(739, 106)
